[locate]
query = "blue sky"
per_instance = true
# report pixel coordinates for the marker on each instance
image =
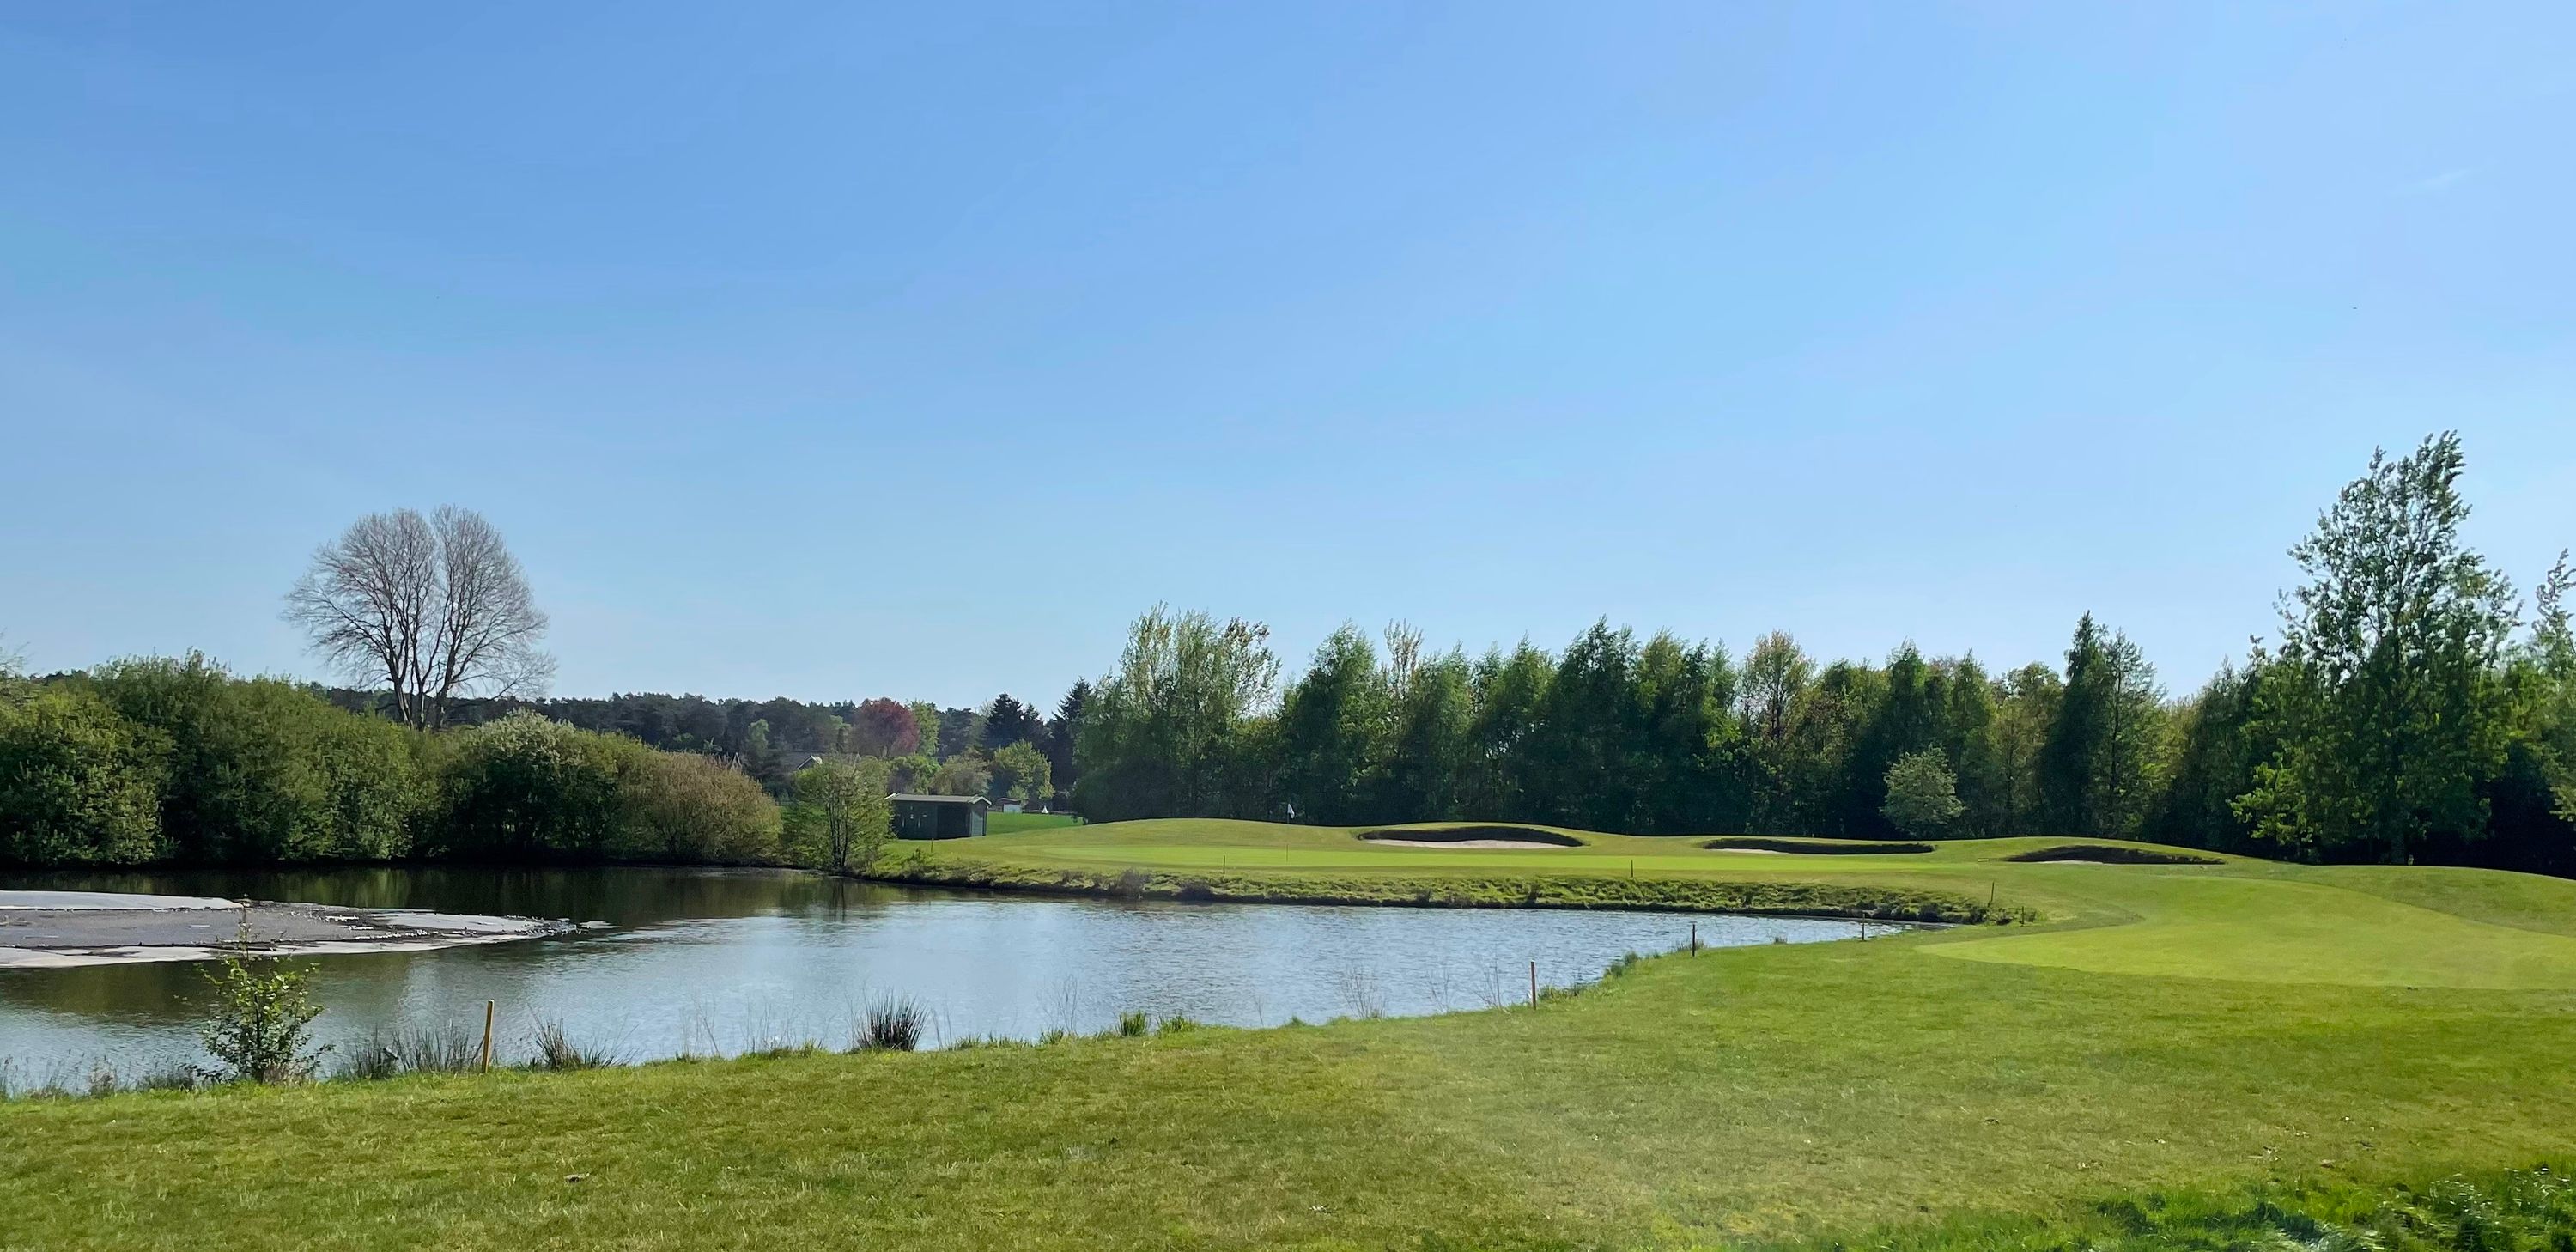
(819, 351)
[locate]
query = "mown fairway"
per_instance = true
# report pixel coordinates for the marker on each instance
(2167, 1026)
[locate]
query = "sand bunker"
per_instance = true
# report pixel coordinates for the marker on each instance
(52, 929)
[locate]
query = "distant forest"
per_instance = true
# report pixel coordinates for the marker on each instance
(770, 738)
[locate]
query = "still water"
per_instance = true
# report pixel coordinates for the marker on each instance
(717, 962)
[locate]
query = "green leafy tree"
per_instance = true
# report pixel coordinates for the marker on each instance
(1922, 794)
(1181, 729)
(1431, 765)
(1021, 772)
(925, 725)
(1511, 698)
(963, 776)
(2550, 661)
(1335, 724)
(2026, 703)
(2384, 700)
(1777, 679)
(848, 801)
(2097, 764)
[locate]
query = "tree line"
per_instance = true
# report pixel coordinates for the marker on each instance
(177, 761)
(2407, 708)
(769, 740)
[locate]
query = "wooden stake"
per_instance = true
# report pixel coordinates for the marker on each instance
(487, 1035)
(1533, 984)
(1694, 936)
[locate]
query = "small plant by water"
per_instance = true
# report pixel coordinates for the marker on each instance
(1132, 1024)
(261, 1026)
(892, 1024)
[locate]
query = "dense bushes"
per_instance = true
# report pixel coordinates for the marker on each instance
(174, 760)
(79, 785)
(261, 771)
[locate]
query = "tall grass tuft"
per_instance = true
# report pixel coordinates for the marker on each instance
(555, 1050)
(410, 1049)
(1132, 1024)
(892, 1024)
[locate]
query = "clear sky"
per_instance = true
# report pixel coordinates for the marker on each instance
(830, 350)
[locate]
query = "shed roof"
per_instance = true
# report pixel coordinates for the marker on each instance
(906, 797)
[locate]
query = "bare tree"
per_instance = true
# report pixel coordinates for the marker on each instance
(435, 607)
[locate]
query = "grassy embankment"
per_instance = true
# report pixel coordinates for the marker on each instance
(2207, 1027)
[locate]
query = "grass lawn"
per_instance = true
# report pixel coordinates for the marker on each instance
(2159, 1027)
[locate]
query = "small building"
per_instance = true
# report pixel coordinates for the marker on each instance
(937, 817)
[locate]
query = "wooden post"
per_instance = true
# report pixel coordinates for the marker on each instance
(1694, 936)
(487, 1036)
(1533, 984)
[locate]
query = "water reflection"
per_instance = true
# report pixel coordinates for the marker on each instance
(711, 962)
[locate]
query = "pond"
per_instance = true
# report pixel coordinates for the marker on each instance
(717, 962)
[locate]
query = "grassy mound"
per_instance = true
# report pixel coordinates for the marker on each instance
(1472, 834)
(2115, 854)
(1814, 847)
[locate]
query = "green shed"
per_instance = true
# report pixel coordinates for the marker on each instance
(937, 817)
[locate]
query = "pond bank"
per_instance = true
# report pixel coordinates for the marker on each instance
(1535, 891)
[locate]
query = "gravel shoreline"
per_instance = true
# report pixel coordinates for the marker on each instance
(47, 930)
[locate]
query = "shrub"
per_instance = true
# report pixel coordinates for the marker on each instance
(260, 1029)
(526, 787)
(1132, 1024)
(680, 806)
